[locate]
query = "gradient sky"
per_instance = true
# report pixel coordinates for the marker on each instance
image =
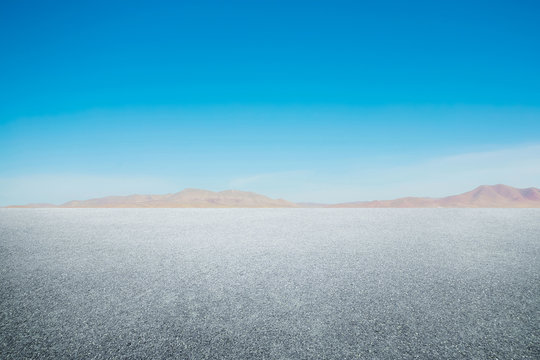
(306, 100)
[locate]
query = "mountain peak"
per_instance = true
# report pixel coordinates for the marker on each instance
(484, 196)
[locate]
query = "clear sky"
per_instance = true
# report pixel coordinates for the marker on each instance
(306, 100)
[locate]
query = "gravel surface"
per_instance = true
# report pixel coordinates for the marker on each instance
(270, 283)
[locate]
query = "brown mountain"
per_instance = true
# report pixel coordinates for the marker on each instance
(485, 196)
(188, 198)
(488, 196)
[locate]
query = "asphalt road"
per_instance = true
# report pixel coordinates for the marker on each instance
(270, 283)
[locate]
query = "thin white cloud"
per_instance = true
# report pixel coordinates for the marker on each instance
(440, 176)
(265, 178)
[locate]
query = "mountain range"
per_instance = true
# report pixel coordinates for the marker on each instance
(485, 196)
(188, 198)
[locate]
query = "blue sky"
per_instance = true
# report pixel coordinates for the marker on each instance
(309, 101)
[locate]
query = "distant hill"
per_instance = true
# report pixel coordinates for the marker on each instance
(188, 198)
(485, 196)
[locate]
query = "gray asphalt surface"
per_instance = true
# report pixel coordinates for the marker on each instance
(270, 283)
